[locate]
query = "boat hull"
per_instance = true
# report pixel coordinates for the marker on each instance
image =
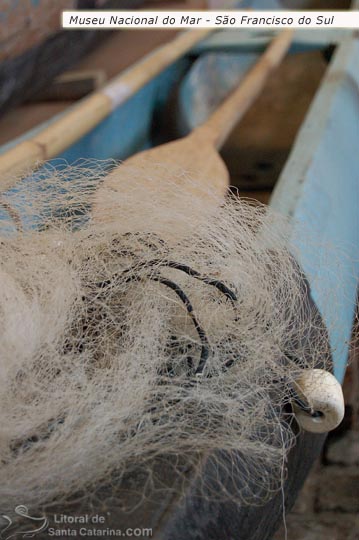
(314, 180)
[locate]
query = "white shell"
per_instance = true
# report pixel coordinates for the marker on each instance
(324, 394)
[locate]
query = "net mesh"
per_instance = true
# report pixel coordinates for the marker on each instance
(177, 329)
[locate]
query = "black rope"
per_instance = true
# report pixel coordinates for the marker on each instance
(219, 285)
(201, 333)
(189, 271)
(184, 298)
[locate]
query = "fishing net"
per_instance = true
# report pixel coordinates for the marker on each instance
(177, 329)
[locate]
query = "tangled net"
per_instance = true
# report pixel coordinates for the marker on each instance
(123, 341)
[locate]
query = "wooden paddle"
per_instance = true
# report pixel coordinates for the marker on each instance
(197, 154)
(56, 136)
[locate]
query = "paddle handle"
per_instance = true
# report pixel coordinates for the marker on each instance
(79, 120)
(220, 124)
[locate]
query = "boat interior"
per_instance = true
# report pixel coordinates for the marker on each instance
(258, 147)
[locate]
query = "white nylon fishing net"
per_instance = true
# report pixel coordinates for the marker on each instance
(122, 341)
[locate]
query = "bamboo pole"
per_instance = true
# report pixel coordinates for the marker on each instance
(86, 115)
(220, 124)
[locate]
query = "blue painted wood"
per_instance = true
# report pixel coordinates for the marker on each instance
(127, 130)
(319, 187)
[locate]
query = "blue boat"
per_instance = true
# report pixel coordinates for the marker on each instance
(318, 186)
